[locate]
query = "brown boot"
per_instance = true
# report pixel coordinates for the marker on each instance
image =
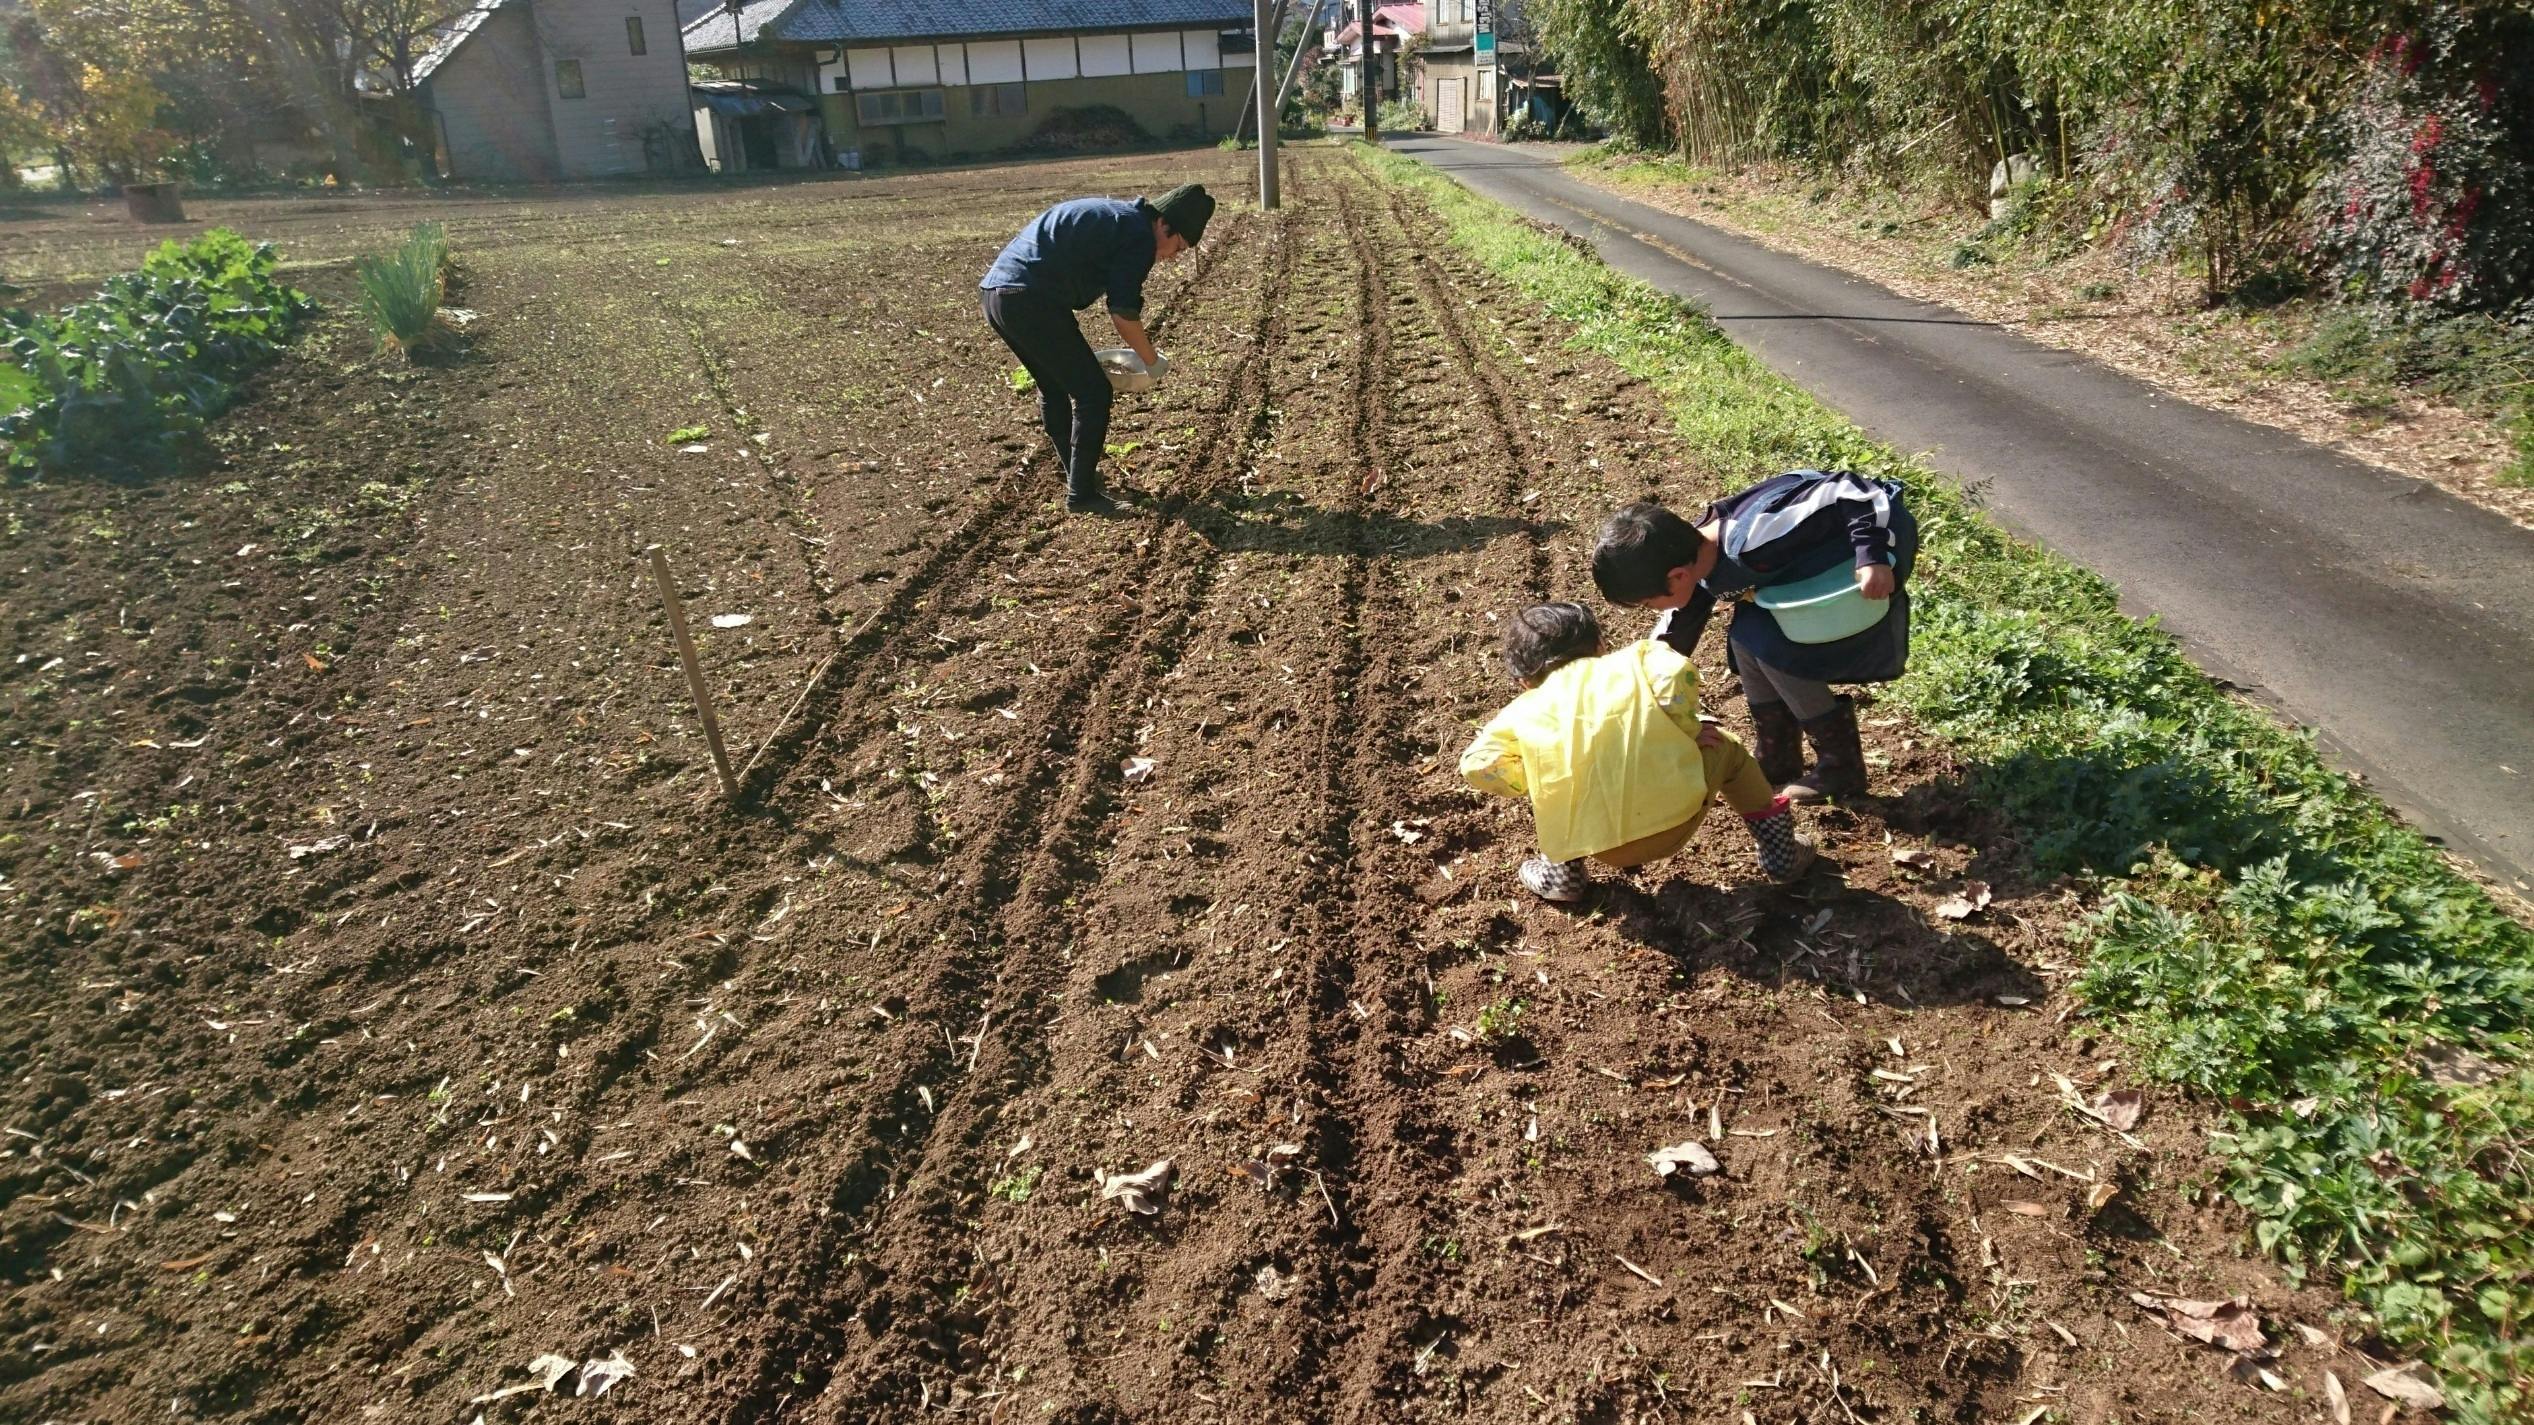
(1838, 757)
(1777, 742)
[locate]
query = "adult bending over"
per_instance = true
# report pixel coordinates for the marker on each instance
(1068, 257)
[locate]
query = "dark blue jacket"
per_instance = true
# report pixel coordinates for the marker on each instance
(1080, 251)
(1786, 530)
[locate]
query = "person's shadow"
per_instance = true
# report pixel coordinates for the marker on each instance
(1282, 522)
(1851, 940)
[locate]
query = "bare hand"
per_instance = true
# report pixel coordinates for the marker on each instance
(1875, 580)
(1711, 733)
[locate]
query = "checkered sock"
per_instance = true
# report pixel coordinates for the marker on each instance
(1774, 831)
(1556, 880)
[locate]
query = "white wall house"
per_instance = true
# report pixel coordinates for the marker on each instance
(536, 91)
(901, 79)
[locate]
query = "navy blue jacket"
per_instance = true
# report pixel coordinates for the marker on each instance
(1080, 251)
(1785, 530)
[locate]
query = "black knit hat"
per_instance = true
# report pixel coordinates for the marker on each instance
(1186, 208)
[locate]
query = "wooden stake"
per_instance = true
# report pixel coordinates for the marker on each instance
(694, 671)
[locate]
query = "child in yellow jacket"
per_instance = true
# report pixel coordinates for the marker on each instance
(1617, 762)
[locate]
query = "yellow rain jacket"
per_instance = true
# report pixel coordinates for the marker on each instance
(1606, 748)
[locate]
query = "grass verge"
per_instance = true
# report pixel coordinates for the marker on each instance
(2269, 935)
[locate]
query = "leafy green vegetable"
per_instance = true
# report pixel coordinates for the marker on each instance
(122, 383)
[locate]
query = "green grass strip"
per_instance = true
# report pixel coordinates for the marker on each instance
(2268, 934)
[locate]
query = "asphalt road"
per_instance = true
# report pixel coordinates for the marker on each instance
(2394, 619)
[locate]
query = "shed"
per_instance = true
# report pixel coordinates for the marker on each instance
(747, 125)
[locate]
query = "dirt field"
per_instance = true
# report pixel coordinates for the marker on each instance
(394, 1004)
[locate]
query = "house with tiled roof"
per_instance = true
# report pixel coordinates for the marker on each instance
(942, 78)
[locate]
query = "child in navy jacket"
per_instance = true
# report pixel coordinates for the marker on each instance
(1782, 531)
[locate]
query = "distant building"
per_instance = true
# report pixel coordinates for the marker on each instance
(1457, 86)
(536, 91)
(934, 78)
(1469, 66)
(1393, 26)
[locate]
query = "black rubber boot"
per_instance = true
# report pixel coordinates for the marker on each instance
(1777, 742)
(1838, 757)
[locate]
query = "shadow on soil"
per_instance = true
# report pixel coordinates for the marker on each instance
(1869, 943)
(1283, 523)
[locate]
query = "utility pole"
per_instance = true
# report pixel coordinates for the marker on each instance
(1372, 126)
(1262, 62)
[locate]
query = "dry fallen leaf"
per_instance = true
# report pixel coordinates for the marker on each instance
(1263, 1170)
(1144, 1193)
(2099, 1194)
(597, 1376)
(2120, 1109)
(1916, 858)
(2336, 1396)
(314, 662)
(549, 1370)
(1691, 1157)
(1139, 770)
(1975, 898)
(2404, 1384)
(2231, 1324)
(2026, 1209)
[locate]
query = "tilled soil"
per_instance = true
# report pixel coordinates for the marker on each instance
(397, 1003)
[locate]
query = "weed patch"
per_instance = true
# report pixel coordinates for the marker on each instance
(2481, 364)
(2271, 936)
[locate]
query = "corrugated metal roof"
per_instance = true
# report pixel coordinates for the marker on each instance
(745, 98)
(885, 21)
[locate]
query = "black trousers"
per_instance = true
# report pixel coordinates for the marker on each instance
(1073, 391)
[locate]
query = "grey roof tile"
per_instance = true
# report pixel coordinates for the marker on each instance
(881, 21)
